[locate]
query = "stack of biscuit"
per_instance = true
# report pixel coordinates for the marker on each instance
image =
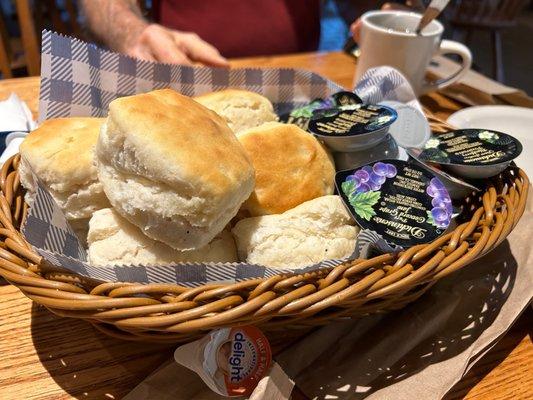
(163, 175)
(61, 153)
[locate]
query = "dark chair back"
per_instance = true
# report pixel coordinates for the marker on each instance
(486, 13)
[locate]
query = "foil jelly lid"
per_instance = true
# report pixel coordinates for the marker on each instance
(302, 115)
(351, 119)
(450, 181)
(400, 200)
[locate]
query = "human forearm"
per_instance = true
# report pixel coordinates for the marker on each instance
(120, 25)
(116, 23)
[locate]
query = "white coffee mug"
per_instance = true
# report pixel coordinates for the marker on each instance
(388, 38)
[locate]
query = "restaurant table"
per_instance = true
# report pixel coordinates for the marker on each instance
(43, 356)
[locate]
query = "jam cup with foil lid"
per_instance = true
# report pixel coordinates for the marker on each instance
(352, 127)
(399, 200)
(470, 153)
(302, 115)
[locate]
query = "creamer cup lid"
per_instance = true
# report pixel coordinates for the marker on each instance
(411, 128)
(399, 200)
(231, 361)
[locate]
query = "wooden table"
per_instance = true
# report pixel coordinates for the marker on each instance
(46, 357)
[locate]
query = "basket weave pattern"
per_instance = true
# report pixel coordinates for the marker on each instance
(173, 313)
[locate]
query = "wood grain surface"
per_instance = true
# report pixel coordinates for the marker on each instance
(46, 357)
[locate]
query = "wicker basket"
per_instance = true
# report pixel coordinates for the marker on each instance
(173, 313)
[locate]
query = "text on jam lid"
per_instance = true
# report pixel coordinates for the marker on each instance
(351, 119)
(473, 147)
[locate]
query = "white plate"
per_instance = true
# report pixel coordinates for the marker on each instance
(515, 121)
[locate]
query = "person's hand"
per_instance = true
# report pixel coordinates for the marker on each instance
(157, 43)
(355, 27)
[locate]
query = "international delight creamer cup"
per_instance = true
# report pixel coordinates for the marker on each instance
(231, 361)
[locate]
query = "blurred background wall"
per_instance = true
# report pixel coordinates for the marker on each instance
(21, 22)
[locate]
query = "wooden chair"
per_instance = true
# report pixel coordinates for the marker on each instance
(31, 21)
(9, 58)
(487, 15)
(47, 13)
(5, 56)
(29, 37)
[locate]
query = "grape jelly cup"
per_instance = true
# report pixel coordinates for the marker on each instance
(398, 200)
(353, 127)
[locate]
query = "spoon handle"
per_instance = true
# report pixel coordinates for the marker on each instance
(432, 12)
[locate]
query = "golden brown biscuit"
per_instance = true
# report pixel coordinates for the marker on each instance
(317, 230)
(291, 167)
(61, 153)
(115, 241)
(241, 109)
(172, 167)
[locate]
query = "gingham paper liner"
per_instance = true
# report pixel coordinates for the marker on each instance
(48, 231)
(80, 79)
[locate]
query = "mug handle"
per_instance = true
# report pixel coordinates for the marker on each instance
(451, 47)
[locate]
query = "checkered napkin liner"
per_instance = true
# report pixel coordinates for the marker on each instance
(48, 231)
(80, 79)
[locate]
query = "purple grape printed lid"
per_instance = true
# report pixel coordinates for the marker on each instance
(398, 200)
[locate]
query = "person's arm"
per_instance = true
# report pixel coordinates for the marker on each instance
(120, 25)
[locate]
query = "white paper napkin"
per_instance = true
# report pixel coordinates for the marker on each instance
(15, 123)
(15, 115)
